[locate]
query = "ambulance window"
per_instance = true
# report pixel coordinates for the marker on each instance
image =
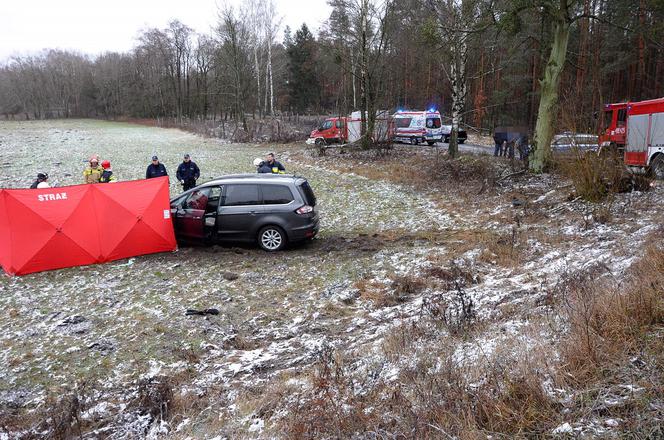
(403, 122)
(622, 116)
(433, 123)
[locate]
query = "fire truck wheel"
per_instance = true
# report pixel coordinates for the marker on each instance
(657, 167)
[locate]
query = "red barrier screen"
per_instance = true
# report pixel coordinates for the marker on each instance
(44, 229)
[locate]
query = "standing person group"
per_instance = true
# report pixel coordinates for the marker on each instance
(269, 165)
(187, 172)
(96, 173)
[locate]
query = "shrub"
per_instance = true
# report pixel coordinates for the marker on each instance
(608, 322)
(595, 176)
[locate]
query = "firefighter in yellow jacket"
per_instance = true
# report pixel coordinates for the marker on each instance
(93, 172)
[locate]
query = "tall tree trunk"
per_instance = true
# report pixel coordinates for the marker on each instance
(353, 66)
(582, 59)
(459, 91)
(549, 87)
(269, 69)
(258, 79)
(641, 65)
(364, 79)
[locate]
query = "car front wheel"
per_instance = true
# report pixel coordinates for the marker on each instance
(657, 167)
(272, 238)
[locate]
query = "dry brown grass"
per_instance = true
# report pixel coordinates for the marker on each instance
(398, 289)
(424, 169)
(503, 395)
(595, 177)
(609, 322)
(420, 403)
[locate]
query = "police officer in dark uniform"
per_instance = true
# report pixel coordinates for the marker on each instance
(155, 169)
(187, 173)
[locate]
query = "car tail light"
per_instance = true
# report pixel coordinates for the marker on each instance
(306, 209)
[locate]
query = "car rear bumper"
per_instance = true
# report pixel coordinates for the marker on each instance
(305, 232)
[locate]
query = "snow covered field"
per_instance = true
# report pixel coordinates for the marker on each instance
(107, 333)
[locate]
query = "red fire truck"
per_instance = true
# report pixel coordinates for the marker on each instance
(345, 129)
(637, 130)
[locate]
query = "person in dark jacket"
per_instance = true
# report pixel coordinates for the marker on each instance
(187, 173)
(498, 141)
(275, 166)
(155, 169)
(262, 167)
(41, 177)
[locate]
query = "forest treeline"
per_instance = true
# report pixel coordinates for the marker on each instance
(488, 56)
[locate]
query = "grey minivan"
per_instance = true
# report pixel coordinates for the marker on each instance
(271, 209)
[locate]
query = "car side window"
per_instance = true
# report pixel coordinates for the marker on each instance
(198, 199)
(215, 196)
(276, 194)
(339, 124)
(177, 203)
(240, 195)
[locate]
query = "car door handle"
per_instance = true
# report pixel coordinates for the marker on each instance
(252, 212)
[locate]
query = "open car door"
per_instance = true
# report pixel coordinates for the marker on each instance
(195, 215)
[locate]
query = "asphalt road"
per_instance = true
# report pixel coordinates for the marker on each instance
(465, 147)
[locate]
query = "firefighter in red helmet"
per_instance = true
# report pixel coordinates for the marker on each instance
(107, 175)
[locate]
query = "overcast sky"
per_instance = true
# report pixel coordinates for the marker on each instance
(92, 26)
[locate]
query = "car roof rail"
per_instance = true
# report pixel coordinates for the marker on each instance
(254, 176)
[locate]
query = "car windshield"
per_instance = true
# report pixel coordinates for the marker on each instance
(433, 122)
(326, 125)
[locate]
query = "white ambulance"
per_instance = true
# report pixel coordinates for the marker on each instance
(418, 126)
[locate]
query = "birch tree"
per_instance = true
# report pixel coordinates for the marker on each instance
(271, 24)
(459, 21)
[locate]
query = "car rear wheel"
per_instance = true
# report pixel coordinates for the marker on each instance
(414, 141)
(430, 143)
(272, 238)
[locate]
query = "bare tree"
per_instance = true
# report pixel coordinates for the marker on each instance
(372, 26)
(459, 21)
(234, 47)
